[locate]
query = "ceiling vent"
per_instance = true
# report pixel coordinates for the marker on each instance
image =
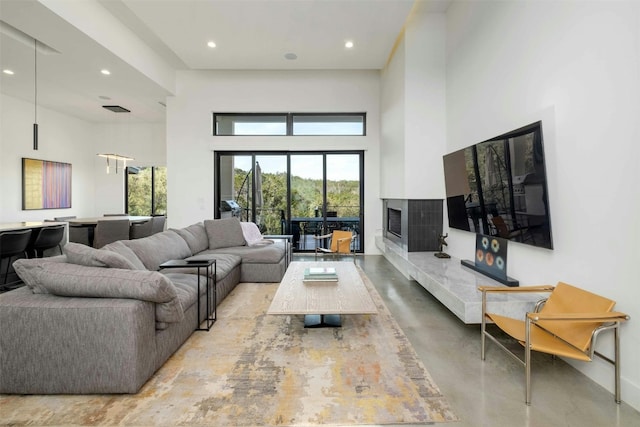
(116, 108)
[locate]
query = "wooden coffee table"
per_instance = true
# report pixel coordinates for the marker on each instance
(322, 303)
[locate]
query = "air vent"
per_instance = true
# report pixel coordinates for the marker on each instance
(116, 108)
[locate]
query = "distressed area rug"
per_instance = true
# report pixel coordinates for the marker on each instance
(254, 369)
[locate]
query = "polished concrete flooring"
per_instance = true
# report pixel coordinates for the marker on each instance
(490, 393)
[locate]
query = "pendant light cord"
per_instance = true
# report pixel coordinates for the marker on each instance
(35, 78)
(35, 94)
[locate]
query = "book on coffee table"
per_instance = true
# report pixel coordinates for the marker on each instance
(320, 274)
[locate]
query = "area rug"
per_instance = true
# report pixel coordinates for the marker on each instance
(254, 369)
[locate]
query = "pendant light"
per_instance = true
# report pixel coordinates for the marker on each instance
(35, 94)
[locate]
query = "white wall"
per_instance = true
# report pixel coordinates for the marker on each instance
(144, 142)
(413, 106)
(392, 126)
(576, 67)
(63, 138)
(425, 106)
(190, 144)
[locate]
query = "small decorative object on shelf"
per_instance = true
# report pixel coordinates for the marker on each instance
(320, 274)
(442, 243)
(491, 259)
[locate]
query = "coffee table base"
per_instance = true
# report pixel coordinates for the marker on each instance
(322, 321)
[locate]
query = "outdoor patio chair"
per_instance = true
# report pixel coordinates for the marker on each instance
(340, 243)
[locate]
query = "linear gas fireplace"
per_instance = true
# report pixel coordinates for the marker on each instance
(415, 225)
(394, 221)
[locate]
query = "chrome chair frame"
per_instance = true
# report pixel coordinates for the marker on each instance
(339, 245)
(611, 321)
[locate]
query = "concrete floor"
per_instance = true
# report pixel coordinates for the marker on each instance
(490, 393)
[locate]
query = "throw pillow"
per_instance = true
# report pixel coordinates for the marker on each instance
(27, 270)
(120, 248)
(224, 233)
(196, 237)
(73, 280)
(158, 248)
(85, 255)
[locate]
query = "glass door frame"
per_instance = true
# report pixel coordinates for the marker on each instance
(288, 154)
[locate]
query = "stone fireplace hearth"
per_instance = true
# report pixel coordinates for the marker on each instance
(414, 224)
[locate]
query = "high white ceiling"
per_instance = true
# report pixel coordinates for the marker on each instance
(249, 35)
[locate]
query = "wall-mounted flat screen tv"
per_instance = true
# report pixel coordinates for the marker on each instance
(499, 187)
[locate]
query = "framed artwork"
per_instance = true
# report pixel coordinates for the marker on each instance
(45, 184)
(491, 255)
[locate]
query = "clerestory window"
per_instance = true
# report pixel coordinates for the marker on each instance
(289, 124)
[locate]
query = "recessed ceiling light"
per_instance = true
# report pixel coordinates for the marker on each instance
(291, 56)
(7, 71)
(105, 71)
(348, 44)
(211, 44)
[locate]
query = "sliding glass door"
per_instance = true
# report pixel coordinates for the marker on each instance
(304, 194)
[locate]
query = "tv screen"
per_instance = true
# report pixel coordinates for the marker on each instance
(498, 187)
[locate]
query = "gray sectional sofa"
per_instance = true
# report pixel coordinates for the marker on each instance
(104, 320)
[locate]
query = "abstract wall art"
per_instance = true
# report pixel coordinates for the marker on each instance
(45, 184)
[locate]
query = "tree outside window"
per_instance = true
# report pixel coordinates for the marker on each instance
(146, 190)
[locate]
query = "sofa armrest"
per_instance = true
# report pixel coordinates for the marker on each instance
(51, 344)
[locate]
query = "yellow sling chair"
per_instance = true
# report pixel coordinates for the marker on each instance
(566, 324)
(340, 244)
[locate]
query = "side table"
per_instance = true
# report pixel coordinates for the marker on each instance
(209, 266)
(288, 244)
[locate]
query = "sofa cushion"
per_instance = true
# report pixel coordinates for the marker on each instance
(224, 233)
(158, 248)
(269, 254)
(225, 263)
(120, 248)
(73, 280)
(86, 255)
(25, 270)
(196, 237)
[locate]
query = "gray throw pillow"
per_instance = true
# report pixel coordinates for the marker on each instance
(224, 233)
(90, 257)
(122, 249)
(196, 237)
(158, 248)
(27, 270)
(73, 280)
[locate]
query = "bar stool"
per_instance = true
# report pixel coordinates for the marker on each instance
(12, 244)
(48, 237)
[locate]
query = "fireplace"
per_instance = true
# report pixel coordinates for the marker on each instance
(413, 224)
(394, 221)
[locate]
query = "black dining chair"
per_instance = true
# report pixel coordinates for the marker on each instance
(13, 244)
(47, 238)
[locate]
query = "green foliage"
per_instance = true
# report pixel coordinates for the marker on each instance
(343, 197)
(139, 192)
